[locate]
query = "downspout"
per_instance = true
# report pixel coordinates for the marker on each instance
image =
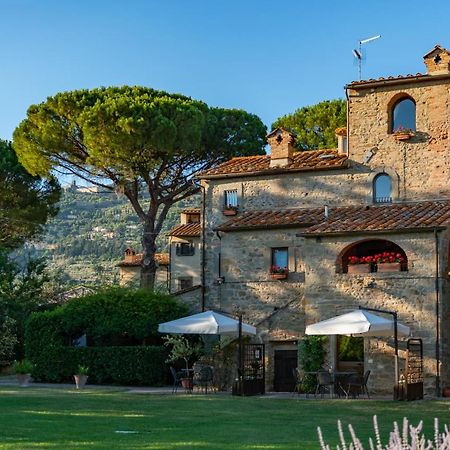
(438, 353)
(169, 278)
(348, 122)
(203, 246)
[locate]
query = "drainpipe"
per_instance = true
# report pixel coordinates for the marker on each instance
(203, 254)
(169, 278)
(436, 284)
(348, 122)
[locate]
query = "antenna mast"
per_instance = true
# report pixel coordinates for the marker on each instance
(359, 55)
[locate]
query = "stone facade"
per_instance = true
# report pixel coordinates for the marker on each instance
(318, 287)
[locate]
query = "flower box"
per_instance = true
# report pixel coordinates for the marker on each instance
(229, 212)
(403, 136)
(358, 268)
(279, 276)
(389, 267)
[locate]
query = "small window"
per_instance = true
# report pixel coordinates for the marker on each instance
(185, 249)
(231, 198)
(184, 283)
(280, 258)
(404, 115)
(382, 188)
(192, 218)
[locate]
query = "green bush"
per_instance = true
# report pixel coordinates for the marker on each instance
(107, 318)
(311, 358)
(137, 365)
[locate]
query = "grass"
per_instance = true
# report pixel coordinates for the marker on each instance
(90, 419)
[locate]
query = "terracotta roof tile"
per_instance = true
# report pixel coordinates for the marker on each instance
(305, 160)
(391, 79)
(186, 230)
(191, 211)
(162, 259)
(367, 218)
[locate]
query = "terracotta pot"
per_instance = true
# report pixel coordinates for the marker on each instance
(403, 136)
(279, 276)
(446, 392)
(389, 267)
(358, 268)
(229, 212)
(23, 379)
(80, 381)
(187, 384)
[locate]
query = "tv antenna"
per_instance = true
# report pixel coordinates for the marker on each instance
(358, 54)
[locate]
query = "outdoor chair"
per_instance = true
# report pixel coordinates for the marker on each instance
(325, 383)
(203, 376)
(299, 377)
(357, 386)
(176, 379)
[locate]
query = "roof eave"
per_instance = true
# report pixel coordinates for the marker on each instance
(262, 227)
(366, 232)
(395, 81)
(260, 173)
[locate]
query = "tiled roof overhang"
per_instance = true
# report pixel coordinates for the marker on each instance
(186, 230)
(365, 219)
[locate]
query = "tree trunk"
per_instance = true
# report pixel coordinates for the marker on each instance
(148, 268)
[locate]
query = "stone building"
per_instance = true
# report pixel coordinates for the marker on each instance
(386, 188)
(185, 251)
(130, 269)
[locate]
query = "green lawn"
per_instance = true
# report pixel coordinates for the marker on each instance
(67, 419)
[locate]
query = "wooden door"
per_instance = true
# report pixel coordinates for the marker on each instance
(285, 363)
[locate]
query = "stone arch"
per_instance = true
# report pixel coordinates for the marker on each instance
(393, 103)
(368, 247)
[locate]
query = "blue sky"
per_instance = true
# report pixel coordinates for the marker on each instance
(266, 57)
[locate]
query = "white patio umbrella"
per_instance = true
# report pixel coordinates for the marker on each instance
(208, 322)
(358, 323)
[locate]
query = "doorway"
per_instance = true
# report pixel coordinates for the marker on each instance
(350, 354)
(285, 363)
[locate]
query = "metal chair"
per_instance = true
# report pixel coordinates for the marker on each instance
(203, 376)
(356, 385)
(176, 379)
(324, 383)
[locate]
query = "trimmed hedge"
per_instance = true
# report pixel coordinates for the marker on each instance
(105, 317)
(107, 365)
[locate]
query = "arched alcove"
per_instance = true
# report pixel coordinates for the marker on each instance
(378, 250)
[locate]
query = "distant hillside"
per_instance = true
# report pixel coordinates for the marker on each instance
(87, 238)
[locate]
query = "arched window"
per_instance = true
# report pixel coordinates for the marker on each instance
(403, 115)
(374, 255)
(382, 188)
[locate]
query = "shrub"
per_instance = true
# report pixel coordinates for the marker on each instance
(137, 365)
(23, 367)
(113, 316)
(311, 357)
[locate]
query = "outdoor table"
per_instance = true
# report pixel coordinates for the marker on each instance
(335, 375)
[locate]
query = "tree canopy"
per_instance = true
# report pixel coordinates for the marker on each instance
(146, 144)
(26, 201)
(315, 125)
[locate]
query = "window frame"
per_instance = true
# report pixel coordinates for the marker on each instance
(272, 260)
(181, 280)
(379, 199)
(183, 245)
(235, 197)
(395, 101)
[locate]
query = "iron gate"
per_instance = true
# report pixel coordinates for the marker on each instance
(252, 379)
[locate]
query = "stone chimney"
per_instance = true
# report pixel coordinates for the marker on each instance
(130, 255)
(341, 134)
(437, 61)
(281, 143)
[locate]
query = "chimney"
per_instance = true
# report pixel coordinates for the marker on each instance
(130, 255)
(341, 134)
(437, 61)
(281, 143)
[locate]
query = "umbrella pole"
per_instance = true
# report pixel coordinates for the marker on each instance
(396, 348)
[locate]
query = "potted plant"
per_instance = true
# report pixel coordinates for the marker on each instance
(230, 210)
(81, 376)
(403, 134)
(23, 371)
(279, 273)
(389, 262)
(360, 264)
(183, 349)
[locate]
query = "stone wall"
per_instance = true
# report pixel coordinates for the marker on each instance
(184, 266)
(423, 162)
